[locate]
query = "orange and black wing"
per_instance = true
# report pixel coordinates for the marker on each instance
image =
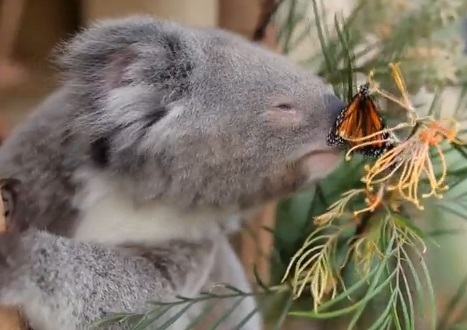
(359, 119)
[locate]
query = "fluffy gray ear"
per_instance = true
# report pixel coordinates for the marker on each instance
(123, 52)
(123, 74)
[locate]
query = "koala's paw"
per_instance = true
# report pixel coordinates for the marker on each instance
(10, 227)
(10, 191)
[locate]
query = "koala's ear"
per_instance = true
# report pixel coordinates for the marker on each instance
(96, 56)
(122, 52)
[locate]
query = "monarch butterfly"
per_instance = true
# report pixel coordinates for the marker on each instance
(358, 119)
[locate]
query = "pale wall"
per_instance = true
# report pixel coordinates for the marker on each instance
(199, 12)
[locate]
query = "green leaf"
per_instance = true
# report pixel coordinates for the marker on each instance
(283, 314)
(431, 293)
(116, 318)
(174, 318)
(246, 319)
(452, 305)
(226, 314)
(210, 305)
(327, 55)
(435, 108)
(348, 80)
(462, 150)
(385, 315)
(149, 318)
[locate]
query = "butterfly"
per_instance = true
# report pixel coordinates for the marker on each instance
(358, 119)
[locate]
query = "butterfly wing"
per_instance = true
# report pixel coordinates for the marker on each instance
(337, 135)
(359, 119)
(371, 123)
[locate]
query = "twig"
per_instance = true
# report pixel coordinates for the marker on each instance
(268, 8)
(359, 230)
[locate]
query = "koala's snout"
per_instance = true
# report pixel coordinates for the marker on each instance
(334, 105)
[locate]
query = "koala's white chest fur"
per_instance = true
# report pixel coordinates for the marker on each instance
(109, 216)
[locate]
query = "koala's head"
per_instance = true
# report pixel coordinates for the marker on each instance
(197, 116)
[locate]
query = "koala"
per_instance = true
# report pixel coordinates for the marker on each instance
(158, 140)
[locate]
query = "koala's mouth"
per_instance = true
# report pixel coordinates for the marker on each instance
(315, 154)
(317, 164)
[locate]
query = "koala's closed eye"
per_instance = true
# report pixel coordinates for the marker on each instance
(284, 113)
(285, 107)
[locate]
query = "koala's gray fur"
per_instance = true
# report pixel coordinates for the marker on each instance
(159, 137)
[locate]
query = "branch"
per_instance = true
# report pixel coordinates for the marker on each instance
(268, 9)
(359, 230)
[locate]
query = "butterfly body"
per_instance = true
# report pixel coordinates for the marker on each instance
(360, 118)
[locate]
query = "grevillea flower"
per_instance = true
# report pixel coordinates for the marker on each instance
(404, 172)
(337, 209)
(400, 170)
(311, 267)
(408, 163)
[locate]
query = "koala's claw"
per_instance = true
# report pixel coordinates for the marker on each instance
(9, 238)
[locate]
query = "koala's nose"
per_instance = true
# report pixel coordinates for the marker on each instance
(334, 105)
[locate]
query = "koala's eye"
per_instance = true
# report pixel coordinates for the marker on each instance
(284, 113)
(285, 107)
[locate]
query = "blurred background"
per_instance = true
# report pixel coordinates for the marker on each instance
(30, 29)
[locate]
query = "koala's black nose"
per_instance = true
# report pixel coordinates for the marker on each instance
(334, 105)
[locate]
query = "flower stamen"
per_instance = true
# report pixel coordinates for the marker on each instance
(372, 200)
(403, 167)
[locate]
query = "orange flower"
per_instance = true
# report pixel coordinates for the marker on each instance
(372, 201)
(402, 167)
(404, 102)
